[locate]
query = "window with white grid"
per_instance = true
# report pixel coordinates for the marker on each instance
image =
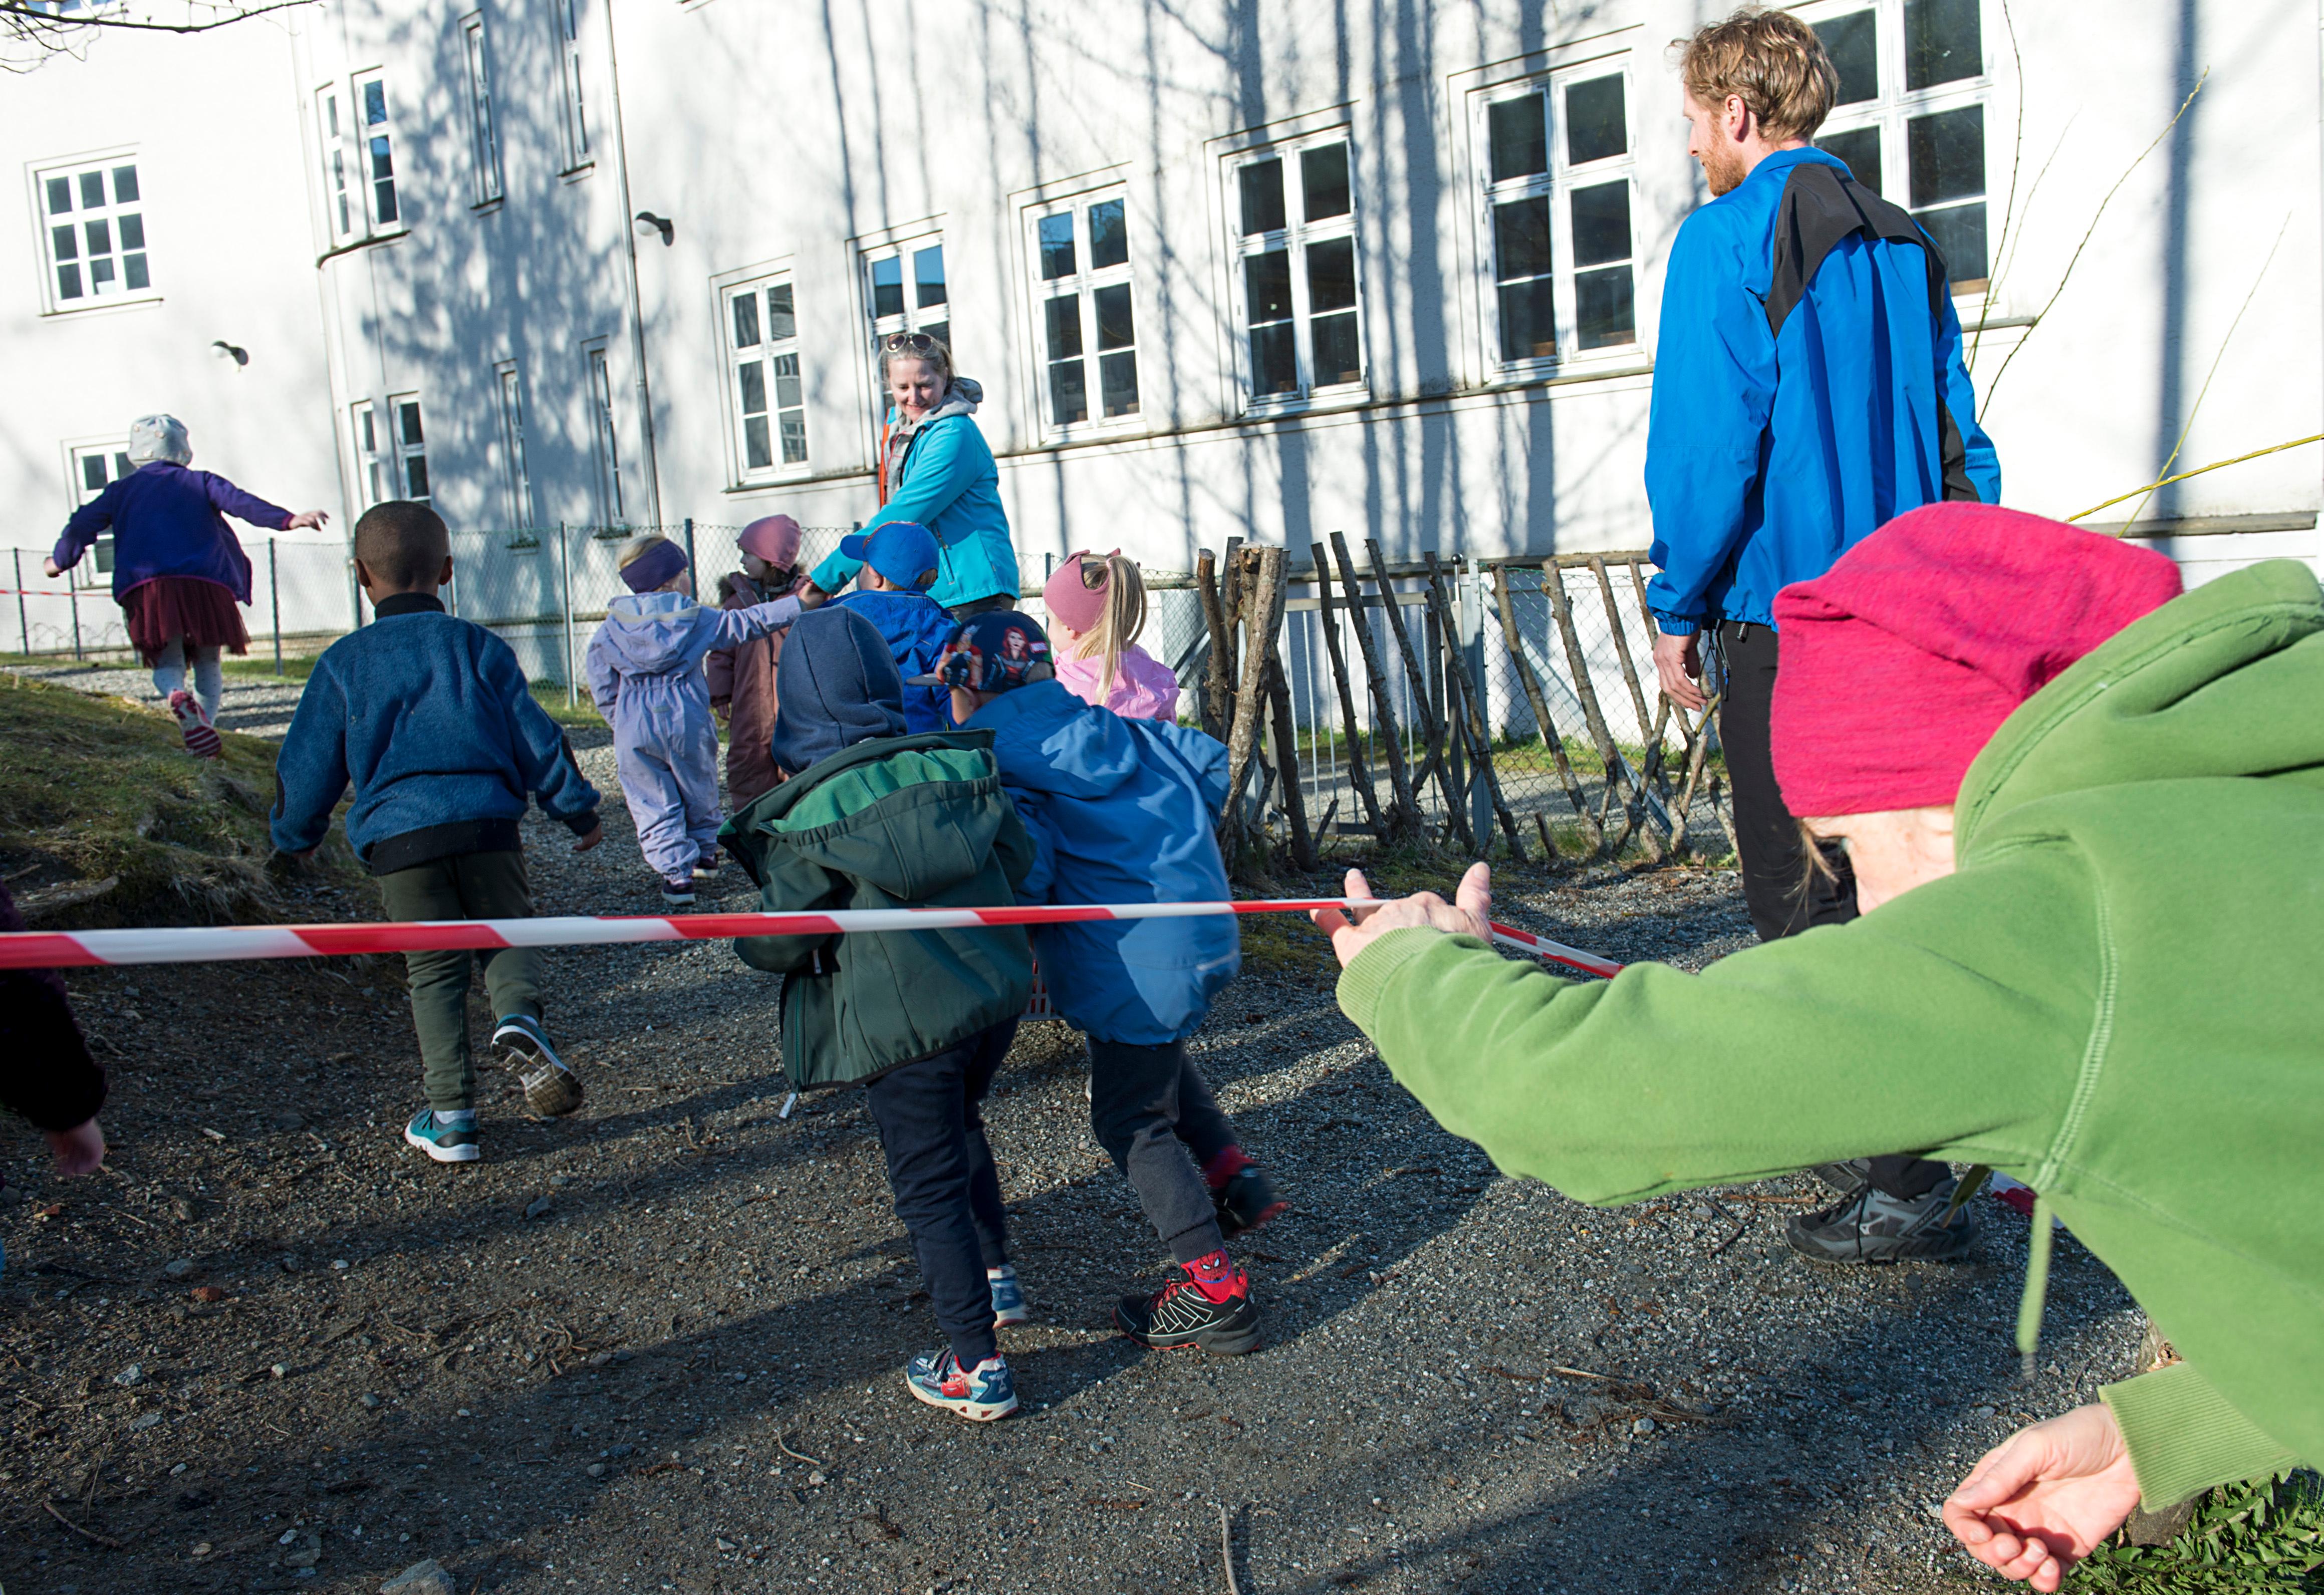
(357, 128)
(378, 134)
(484, 139)
(1080, 250)
(764, 386)
(578, 151)
(407, 444)
(1910, 118)
(906, 290)
(94, 467)
(1298, 296)
(371, 470)
(92, 217)
(1557, 243)
(604, 437)
(516, 480)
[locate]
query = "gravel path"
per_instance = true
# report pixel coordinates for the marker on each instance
(656, 1346)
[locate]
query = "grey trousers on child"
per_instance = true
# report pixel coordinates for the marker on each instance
(466, 885)
(1150, 1109)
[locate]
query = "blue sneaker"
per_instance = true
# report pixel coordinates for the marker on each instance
(446, 1137)
(1008, 1297)
(980, 1396)
(551, 1089)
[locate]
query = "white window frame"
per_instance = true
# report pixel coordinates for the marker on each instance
(345, 217)
(516, 479)
(371, 460)
(580, 154)
(1298, 235)
(368, 137)
(112, 453)
(105, 166)
(483, 134)
(604, 435)
(1563, 178)
(915, 317)
(403, 448)
(1083, 283)
(765, 357)
(1894, 108)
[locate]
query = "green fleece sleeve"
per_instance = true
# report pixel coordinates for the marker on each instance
(2184, 1437)
(1953, 1025)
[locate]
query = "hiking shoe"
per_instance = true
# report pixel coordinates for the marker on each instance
(194, 724)
(551, 1089)
(1008, 1297)
(1183, 1315)
(979, 1395)
(1870, 1226)
(452, 1142)
(1845, 1177)
(678, 894)
(1247, 1200)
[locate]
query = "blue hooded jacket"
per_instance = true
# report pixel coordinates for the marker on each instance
(169, 519)
(1119, 812)
(945, 479)
(916, 629)
(1805, 394)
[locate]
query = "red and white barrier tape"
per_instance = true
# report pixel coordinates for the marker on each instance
(21, 950)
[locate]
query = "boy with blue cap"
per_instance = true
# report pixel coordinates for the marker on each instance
(891, 591)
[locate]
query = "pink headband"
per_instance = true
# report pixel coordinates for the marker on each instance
(1070, 600)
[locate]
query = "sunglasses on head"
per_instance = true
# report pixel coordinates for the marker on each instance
(920, 343)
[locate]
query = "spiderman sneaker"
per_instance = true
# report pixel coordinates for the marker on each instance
(195, 725)
(551, 1089)
(979, 1395)
(1209, 1306)
(1008, 1297)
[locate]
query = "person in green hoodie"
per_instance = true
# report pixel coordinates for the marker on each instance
(2086, 819)
(869, 817)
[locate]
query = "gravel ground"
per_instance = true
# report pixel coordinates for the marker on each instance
(657, 1346)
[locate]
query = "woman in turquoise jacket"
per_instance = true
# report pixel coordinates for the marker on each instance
(940, 473)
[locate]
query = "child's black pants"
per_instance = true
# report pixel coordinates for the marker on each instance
(1149, 1108)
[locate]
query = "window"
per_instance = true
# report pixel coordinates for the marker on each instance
(1296, 269)
(605, 444)
(1910, 121)
(95, 467)
(95, 234)
(768, 397)
(518, 483)
(358, 146)
(1556, 213)
(410, 445)
(370, 474)
(484, 144)
(577, 117)
(1081, 256)
(378, 162)
(338, 199)
(906, 290)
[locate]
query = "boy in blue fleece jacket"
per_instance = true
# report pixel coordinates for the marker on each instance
(1123, 810)
(891, 591)
(431, 719)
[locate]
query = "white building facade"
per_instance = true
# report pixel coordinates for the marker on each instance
(1230, 270)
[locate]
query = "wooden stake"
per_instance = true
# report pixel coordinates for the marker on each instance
(1560, 609)
(1218, 693)
(1259, 590)
(1405, 815)
(1356, 770)
(1468, 707)
(1622, 643)
(1550, 739)
(1283, 739)
(1432, 733)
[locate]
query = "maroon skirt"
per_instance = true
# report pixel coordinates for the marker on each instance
(201, 612)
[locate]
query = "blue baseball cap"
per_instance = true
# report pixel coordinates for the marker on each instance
(994, 652)
(901, 550)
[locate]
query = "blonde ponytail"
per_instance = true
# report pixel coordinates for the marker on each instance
(1124, 617)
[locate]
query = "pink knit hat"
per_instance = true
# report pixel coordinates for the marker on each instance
(1071, 601)
(772, 538)
(1897, 665)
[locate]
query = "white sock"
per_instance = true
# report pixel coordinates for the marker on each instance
(455, 1118)
(1006, 1271)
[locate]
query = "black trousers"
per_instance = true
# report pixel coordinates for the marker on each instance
(946, 1190)
(1783, 896)
(1153, 1112)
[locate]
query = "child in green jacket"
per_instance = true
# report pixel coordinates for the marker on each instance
(868, 817)
(2084, 816)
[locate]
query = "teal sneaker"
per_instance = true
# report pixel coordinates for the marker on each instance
(446, 1141)
(551, 1089)
(979, 1395)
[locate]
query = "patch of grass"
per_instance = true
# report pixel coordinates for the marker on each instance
(582, 713)
(102, 790)
(1287, 944)
(2245, 1539)
(257, 665)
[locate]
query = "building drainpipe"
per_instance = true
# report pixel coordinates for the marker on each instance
(630, 236)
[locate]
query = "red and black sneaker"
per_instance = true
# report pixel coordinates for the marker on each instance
(1210, 1306)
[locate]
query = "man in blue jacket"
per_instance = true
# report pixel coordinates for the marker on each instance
(1808, 389)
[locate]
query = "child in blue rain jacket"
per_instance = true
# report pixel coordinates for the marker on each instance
(1124, 811)
(891, 591)
(645, 672)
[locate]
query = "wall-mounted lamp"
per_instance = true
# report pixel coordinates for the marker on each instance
(232, 351)
(668, 230)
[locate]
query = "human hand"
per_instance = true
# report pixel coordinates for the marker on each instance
(1470, 914)
(2046, 1496)
(597, 834)
(304, 519)
(50, 568)
(79, 1150)
(811, 597)
(1678, 663)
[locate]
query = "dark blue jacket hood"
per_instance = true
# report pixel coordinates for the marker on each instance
(836, 686)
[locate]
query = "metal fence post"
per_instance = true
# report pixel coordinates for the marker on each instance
(274, 601)
(24, 626)
(1473, 647)
(72, 597)
(693, 577)
(565, 559)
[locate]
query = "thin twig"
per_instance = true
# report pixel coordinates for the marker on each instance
(2198, 470)
(1226, 1551)
(90, 1533)
(21, 14)
(796, 1455)
(2009, 206)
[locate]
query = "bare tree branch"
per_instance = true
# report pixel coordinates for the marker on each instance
(32, 32)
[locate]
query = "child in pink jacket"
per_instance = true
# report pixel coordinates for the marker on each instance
(1097, 603)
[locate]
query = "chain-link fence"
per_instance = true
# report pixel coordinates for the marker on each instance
(301, 595)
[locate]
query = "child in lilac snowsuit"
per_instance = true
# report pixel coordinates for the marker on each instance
(645, 672)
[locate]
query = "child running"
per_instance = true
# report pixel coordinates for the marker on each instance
(1099, 602)
(870, 817)
(431, 719)
(891, 591)
(645, 673)
(1121, 811)
(742, 677)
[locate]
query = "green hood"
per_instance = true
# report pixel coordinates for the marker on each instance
(2114, 999)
